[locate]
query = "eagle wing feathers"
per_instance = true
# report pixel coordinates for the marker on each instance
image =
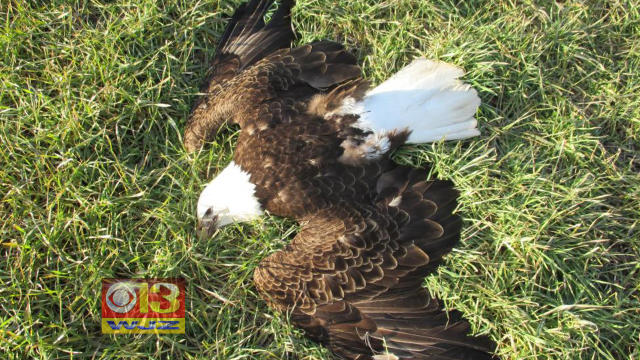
(277, 82)
(353, 275)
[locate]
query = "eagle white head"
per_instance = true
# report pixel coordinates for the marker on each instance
(227, 199)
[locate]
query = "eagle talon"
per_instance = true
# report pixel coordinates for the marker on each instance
(207, 226)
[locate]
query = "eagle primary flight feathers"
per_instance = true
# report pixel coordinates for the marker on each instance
(314, 146)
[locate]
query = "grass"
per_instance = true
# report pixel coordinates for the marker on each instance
(94, 181)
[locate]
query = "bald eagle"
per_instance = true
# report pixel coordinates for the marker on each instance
(315, 146)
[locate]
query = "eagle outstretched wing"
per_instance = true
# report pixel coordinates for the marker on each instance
(246, 40)
(286, 75)
(254, 67)
(352, 277)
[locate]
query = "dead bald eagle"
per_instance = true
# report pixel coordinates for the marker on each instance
(314, 146)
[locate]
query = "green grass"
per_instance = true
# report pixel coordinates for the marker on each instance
(94, 181)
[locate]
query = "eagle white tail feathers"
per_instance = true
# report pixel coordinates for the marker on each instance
(425, 97)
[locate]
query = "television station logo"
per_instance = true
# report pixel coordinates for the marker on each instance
(139, 306)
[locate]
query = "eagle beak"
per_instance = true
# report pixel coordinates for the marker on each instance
(207, 227)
